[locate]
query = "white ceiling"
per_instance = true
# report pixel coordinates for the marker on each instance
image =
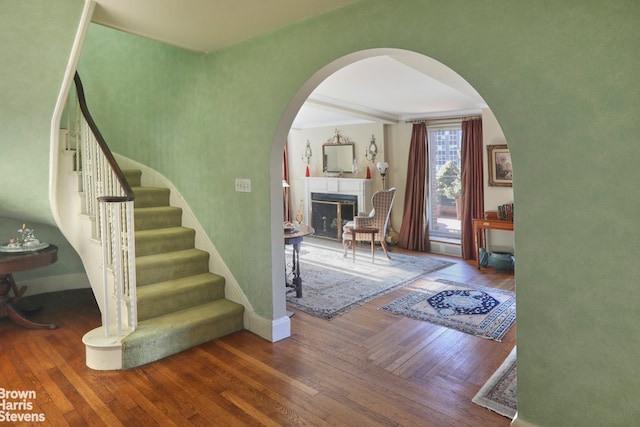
(388, 88)
(206, 25)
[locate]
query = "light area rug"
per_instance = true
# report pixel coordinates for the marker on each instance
(333, 284)
(475, 310)
(499, 393)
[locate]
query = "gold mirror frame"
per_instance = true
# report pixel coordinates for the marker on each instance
(338, 157)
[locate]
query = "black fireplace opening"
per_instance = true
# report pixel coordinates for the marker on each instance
(329, 212)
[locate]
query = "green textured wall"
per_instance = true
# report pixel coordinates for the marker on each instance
(35, 42)
(561, 80)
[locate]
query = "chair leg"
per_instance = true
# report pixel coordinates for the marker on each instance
(345, 244)
(384, 246)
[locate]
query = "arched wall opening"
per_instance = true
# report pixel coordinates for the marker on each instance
(282, 133)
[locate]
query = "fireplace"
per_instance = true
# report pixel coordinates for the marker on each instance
(329, 212)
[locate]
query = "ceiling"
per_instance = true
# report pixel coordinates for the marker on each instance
(389, 88)
(206, 25)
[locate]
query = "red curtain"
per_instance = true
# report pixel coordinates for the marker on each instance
(472, 183)
(413, 233)
(286, 196)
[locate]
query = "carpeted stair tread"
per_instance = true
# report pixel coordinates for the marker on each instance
(133, 176)
(149, 242)
(180, 304)
(151, 196)
(170, 265)
(173, 295)
(157, 217)
(171, 333)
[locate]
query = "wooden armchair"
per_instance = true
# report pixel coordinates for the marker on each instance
(378, 218)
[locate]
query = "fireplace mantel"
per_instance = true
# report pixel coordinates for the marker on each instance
(361, 188)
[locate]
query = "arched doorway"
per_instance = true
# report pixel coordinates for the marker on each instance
(418, 62)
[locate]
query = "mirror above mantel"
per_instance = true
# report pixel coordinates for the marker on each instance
(338, 158)
(338, 154)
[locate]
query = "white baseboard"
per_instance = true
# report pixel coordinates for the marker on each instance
(281, 329)
(445, 248)
(272, 331)
(62, 282)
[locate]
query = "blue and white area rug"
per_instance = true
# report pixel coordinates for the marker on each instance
(475, 310)
(500, 392)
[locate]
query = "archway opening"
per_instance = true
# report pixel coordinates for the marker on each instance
(394, 143)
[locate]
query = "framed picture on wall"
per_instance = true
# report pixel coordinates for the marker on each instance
(500, 172)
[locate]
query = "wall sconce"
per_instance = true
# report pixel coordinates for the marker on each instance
(372, 150)
(306, 155)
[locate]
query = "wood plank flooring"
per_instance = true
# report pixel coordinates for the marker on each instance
(364, 368)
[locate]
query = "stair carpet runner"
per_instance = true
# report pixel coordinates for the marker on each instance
(180, 303)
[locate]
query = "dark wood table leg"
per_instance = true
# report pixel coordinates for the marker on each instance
(15, 314)
(476, 246)
(8, 307)
(17, 292)
(297, 280)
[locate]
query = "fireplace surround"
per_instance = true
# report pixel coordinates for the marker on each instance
(324, 196)
(329, 212)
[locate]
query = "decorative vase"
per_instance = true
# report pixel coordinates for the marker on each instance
(368, 173)
(299, 215)
(307, 173)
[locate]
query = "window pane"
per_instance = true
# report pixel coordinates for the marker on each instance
(445, 182)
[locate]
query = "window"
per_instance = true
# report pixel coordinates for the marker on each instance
(445, 181)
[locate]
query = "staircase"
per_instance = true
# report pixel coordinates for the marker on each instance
(154, 288)
(180, 303)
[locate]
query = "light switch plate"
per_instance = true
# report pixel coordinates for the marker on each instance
(243, 185)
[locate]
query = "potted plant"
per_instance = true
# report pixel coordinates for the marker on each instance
(449, 184)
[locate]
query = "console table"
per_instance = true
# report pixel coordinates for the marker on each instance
(14, 262)
(480, 227)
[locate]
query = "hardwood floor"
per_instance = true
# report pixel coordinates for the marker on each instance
(364, 368)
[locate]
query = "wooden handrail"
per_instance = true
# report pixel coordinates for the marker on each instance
(102, 143)
(113, 199)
